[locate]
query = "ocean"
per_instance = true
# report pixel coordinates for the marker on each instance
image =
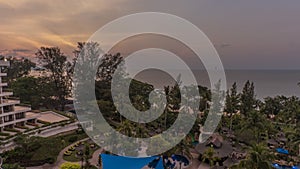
(267, 82)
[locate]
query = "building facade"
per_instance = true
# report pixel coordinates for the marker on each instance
(11, 114)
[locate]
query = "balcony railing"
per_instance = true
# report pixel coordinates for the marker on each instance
(6, 102)
(4, 63)
(6, 94)
(3, 84)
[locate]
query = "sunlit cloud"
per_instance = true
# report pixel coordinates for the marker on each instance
(34, 23)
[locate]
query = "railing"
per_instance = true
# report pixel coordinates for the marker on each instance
(4, 63)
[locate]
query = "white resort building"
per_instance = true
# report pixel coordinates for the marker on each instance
(10, 113)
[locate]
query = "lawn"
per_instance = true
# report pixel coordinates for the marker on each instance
(37, 150)
(53, 145)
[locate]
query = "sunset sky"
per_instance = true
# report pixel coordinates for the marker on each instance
(253, 34)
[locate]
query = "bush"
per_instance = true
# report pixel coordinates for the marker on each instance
(43, 122)
(32, 124)
(73, 139)
(4, 134)
(68, 165)
(80, 131)
(12, 130)
(50, 160)
(21, 127)
(12, 166)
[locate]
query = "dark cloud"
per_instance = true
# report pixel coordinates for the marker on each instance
(21, 50)
(17, 52)
(225, 45)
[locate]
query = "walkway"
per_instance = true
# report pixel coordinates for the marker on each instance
(95, 158)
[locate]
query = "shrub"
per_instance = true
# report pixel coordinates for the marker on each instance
(50, 160)
(12, 130)
(32, 124)
(68, 165)
(21, 127)
(43, 122)
(4, 134)
(73, 139)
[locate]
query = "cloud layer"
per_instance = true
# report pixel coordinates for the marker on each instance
(247, 34)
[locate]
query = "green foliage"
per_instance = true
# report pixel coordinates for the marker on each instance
(73, 139)
(61, 71)
(209, 156)
(68, 165)
(37, 148)
(4, 134)
(87, 150)
(32, 90)
(232, 100)
(248, 100)
(12, 130)
(18, 68)
(12, 166)
(258, 157)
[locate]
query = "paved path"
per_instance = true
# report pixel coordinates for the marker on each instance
(95, 158)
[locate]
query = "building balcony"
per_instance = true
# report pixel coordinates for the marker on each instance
(30, 116)
(6, 94)
(6, 102)
(3, 84)
(4, 63)
(17, 109)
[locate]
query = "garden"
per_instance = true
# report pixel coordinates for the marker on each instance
(80, 150)
(35, 151)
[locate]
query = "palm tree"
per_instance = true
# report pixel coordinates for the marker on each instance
(126, 128)
(209, 156)
(258, 157)
(86, 156)
(294, 137)
(255, 122)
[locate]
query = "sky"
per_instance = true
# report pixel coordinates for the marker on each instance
(256, 34)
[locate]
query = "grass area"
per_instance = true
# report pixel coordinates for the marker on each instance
(4, 134)
(11, 130)
(53, 145)
(37, 150)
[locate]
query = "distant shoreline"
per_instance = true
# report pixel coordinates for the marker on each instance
(268, 83)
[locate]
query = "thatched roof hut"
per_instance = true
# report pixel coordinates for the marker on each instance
(222, 148)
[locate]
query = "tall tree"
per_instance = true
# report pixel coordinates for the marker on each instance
(248, 99)
(56, 62)
(255, 122)
(232, 100)
(257, 158)
(19, 67)
(106, 63)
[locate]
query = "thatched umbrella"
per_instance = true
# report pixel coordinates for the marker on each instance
(223, 151)
(272, 142)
